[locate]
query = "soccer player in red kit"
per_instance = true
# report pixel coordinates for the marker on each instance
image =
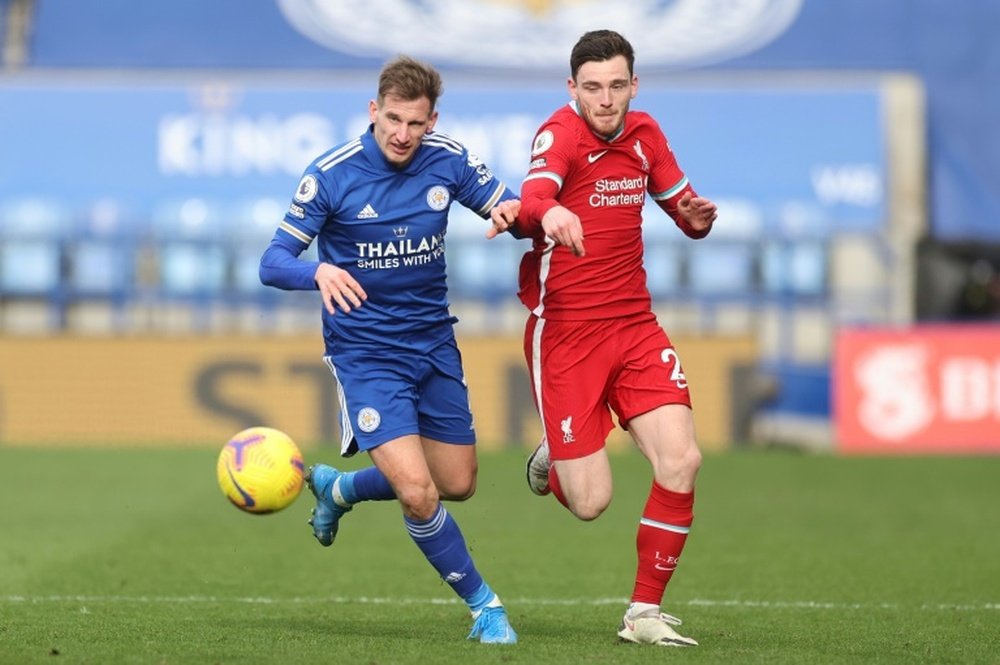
(592, 342)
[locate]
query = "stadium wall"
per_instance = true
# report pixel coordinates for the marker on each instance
(198, 391)
(951, 47)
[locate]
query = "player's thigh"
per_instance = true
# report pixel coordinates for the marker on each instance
(651, 374)
(586, 483)
(453, 468)
(666, 436)
(570, 364)
(651, 397)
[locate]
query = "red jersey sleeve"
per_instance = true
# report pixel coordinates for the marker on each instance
(552, 154)
(667, 183)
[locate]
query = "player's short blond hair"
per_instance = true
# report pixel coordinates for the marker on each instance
(409, 79)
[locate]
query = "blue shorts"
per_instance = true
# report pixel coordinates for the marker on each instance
(385, 394)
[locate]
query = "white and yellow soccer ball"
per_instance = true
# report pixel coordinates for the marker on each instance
(260, 470)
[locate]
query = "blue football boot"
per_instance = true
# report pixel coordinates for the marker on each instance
(326, 515)
(492, 627)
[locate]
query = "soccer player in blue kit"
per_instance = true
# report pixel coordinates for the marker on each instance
(377, 207)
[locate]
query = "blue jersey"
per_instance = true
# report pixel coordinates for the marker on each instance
(386, 226)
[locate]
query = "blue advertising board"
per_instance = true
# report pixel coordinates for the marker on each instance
(779, 153)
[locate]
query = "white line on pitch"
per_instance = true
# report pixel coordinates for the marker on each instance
(368, 600)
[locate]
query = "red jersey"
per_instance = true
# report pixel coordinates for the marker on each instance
(604, 182)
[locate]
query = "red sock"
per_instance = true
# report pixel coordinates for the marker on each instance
(662, 533)
(556, 487)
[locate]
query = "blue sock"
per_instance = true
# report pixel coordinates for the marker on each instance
(480, 598)
(441, 541)
(368, 484)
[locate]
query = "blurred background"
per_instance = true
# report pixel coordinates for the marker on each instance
(846, 301)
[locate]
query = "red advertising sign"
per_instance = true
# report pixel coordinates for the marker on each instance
(926, 389)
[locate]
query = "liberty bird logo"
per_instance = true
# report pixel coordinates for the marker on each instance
(638, 150)
(400, 231)
(567, 429)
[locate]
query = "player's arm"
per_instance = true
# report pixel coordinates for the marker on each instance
(281, 267)
(503, 214)
(542, 213)
(693, 214)
(484, 194)
(670, 188)
(503, 217)
(552, 152)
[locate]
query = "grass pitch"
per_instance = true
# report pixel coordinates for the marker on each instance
(134, 556)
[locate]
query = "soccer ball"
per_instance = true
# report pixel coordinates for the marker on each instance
(260, 470)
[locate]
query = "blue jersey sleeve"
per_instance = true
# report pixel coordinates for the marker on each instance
(478, 189)
(279, 265)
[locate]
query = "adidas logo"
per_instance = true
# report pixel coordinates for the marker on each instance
(368, 212)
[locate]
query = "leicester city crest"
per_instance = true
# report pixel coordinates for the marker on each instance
(438, 198)
(368, 419)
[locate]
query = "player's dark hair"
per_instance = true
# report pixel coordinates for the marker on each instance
(410, 79)
(598, 46)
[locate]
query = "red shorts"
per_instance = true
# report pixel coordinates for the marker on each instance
(582, 370)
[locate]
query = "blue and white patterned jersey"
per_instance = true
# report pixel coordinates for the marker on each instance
(386, 226)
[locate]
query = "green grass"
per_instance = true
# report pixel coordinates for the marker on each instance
(133, 556)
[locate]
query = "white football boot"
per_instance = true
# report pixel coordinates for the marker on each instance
(537, 469)
(653, 627)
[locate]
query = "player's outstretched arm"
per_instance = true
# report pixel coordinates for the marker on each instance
(338, 286)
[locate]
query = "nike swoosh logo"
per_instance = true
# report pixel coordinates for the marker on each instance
(594, 156)
(664, 568)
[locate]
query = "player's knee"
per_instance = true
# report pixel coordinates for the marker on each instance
(589, 507)
(677, 472)
(691, 461)
(419, 501)
(458, 489)
(587, 511)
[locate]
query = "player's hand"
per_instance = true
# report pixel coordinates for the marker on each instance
(698, 212)
(338, 286)
(563, 226)
(503, 215)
